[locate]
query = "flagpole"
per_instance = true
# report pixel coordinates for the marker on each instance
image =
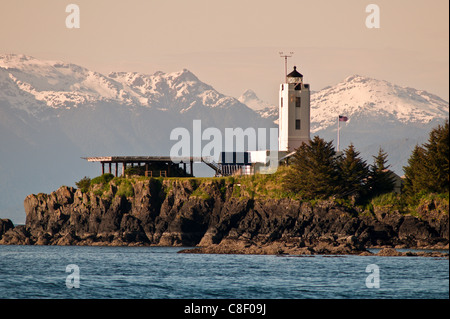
(338, 135)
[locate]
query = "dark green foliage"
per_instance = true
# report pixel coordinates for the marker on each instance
(124, 188)
(136, 170)
(354, 173)
(415, 174)
(102, 179)
(315, 170)
(428, 167)
(380, 179)
(437, 159)
(84, 184)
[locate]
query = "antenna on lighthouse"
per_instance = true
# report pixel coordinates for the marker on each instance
(285, 56)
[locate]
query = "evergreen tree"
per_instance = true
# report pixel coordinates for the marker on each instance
(315, 172)
(428, 166)
(380, 179)
(437, 159)
(354, 172)
(415, 173)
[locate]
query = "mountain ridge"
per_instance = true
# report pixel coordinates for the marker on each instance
(74, 86)
(64, 85)
(375, 97)
(417, 106)
(53, 112)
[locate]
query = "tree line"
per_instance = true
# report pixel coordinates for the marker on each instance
(428, 166)
(319, 172)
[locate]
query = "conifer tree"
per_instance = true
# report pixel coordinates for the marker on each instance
(415, 173)
(380, 179)
(315, 172)
(428, 166)
(437, 159)
(354, 172)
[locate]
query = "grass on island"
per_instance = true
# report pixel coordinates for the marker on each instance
(258, 186)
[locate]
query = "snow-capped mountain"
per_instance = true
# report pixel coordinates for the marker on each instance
(32, 85)
(53, 112)
(183, 90)
(359, 96)
(250, 99)
(264, 109)
(380, 114)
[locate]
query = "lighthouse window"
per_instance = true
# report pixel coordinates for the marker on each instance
(297, 124)
(281, 102)
(297, 101)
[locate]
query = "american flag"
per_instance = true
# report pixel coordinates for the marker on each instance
(343, 118)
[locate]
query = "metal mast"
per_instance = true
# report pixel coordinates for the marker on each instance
(285, 56)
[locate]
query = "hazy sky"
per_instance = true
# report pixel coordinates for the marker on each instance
(233, 44)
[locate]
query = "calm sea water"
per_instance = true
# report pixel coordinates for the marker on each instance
(159, 272)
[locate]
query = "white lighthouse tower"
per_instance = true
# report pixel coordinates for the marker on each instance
(294, 113)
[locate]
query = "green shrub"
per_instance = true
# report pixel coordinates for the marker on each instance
(236, 191)
(102, 179)
(388, 199)
(125, 188)
(84, 184)
(198, 192)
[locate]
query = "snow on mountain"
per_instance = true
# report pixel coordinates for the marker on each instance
(250, 99)
(358, 96)
(56, 84)
(53, 112)
(178, 91)
(380, 114)
(264, 109)
(31, 84)
(362, 97)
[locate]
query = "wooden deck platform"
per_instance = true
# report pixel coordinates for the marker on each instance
(148, 161)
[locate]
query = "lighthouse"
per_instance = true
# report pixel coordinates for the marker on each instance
(294, 113)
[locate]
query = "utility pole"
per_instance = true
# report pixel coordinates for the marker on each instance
(338, 135)
(341, 118)
(285, 56)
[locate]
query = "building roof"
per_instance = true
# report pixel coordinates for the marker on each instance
(138, 159)
(295, 74)
(149, 159)
(287, 156)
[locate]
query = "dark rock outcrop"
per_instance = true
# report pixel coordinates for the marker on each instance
(5, 225)
(212, 217)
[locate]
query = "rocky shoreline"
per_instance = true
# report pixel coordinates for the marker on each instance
(211, 217)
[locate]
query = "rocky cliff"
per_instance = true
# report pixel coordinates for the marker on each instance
(215, 216)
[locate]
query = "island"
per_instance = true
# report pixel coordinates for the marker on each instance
(223, 215)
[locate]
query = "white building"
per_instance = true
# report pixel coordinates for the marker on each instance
(293, 129)
(294, 113)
